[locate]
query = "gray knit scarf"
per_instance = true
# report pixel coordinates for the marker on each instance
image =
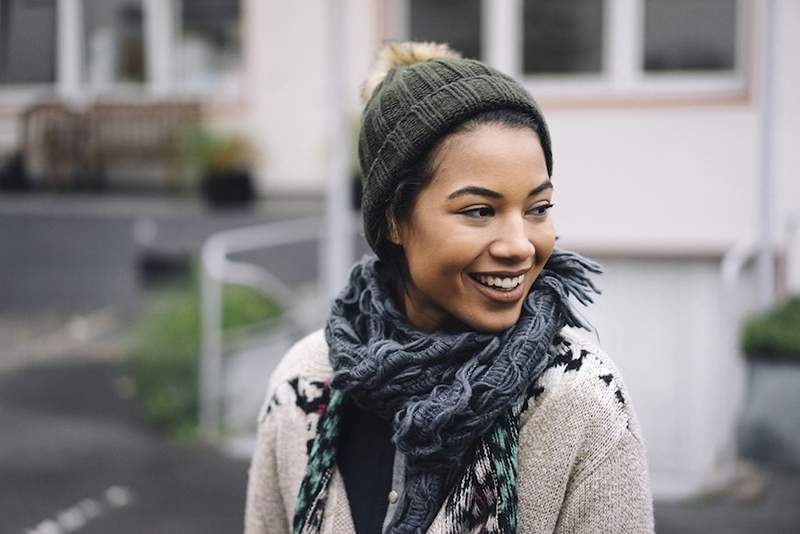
(444, 391)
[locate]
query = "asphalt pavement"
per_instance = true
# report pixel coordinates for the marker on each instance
(80, 253)
(76, 457)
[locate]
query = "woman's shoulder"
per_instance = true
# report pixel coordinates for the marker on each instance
(307, 358)
(582, 382)
(302, 377)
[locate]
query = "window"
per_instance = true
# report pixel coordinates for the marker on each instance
(209, 47)
(562, 36)
(122, 46)
(456, 22)
(27, 41)
(114, 42)
(688, 35)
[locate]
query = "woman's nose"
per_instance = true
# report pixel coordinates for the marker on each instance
(512, 242)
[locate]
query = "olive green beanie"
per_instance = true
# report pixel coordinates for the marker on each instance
(415, 105)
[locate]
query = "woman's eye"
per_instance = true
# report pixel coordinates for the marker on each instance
(540, 210)
(479, 212)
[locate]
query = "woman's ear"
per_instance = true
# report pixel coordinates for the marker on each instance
(394, 230)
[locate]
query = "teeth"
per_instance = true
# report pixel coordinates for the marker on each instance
(505, 283)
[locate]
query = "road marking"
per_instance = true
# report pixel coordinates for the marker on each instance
(76, 517)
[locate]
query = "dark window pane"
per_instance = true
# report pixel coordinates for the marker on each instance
(689, 35)
(455, 22)
(27, 41)
(210, 41)
(562, 36)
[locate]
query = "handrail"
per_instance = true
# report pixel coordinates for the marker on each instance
(731, 266)
(218, 269)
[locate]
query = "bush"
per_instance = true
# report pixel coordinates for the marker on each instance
(164, 350)
(774, 334)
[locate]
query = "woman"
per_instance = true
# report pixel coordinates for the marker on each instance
(449, 391)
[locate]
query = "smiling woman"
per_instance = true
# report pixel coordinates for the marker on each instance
(450, 390)
(479, 234)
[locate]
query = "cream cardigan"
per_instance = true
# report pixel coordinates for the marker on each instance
(582, 466)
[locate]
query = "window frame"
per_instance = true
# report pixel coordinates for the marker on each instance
(622, 76)
(161, 26)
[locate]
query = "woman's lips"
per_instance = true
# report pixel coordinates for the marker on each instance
(497, 295)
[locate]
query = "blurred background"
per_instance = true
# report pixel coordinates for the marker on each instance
(179, 201)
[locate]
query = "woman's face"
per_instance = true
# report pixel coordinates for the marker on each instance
(479, 233)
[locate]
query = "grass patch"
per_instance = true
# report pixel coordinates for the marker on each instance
(164, 348)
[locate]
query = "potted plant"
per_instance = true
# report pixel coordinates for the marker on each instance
(771, 422)
(221, 163)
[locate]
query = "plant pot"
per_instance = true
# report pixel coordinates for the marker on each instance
(228, 189)
(13, 176)
(770, 429)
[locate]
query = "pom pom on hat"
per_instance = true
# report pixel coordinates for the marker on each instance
(402, 54)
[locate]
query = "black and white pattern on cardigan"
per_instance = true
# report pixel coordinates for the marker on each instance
(573, 356)
(472, 504)
(309, 396)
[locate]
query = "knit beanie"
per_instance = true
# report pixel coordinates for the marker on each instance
(418, 93)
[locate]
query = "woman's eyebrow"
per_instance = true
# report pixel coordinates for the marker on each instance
(482, 191)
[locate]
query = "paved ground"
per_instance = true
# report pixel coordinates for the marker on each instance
(77, 457)
(770, 510)
(80, 253)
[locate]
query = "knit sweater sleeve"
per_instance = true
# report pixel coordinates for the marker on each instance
(265, 511)
(613, 496)
(582, 458)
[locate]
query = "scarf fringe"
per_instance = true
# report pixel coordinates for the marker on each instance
(567, 273)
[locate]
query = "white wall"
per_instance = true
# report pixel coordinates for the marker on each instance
(787, 120)
(655, 177)
(287, 86)
(660, 320)
(285, 96)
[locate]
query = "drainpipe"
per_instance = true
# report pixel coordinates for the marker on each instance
(336, 246)
(765, 268)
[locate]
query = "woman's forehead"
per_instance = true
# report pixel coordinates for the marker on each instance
(490, 156)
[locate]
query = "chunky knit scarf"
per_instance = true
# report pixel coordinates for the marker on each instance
(451, 395)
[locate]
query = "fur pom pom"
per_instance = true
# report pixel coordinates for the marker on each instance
(404, 53)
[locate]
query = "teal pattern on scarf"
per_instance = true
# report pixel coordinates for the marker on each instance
(445, 392)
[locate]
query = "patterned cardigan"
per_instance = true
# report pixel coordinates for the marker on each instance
(582, 466)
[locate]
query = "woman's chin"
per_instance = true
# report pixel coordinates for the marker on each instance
(493, 323)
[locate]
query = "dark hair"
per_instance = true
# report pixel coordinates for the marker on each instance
(419, 173)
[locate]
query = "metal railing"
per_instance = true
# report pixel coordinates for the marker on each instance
(792, 282)
(732, 266)
(218, 270)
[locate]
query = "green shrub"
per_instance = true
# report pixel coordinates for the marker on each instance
(774, 334)
(164, 349)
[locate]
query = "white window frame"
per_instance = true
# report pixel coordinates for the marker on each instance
(622, 74)
(203, 91)
(161, 28)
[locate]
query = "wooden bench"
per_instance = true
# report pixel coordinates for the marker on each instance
(71, 148)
